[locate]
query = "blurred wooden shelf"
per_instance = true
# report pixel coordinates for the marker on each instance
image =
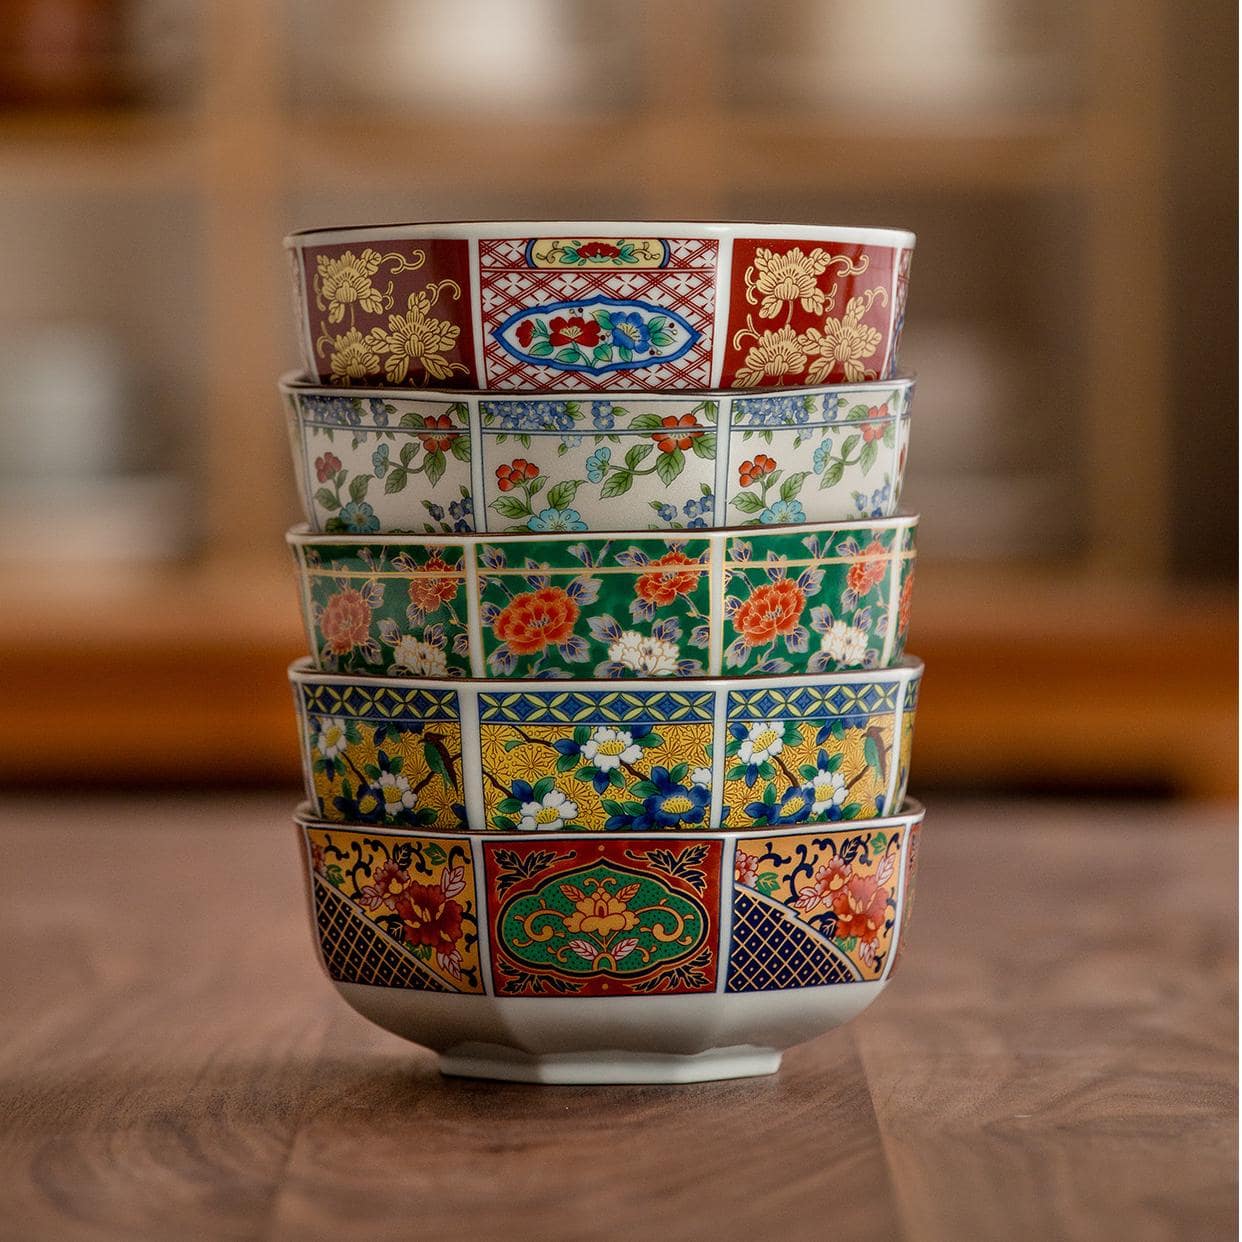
(1033, 678)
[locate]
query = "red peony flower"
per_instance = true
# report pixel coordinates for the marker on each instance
(537, 620)
(440, 422)
(515, 474)
(752, 471)
(903, 603)
(868, 569)
(829, 879)
(386, 885)
(573, 330)
(598, 250)
(326, 466)
(524, 332)
(669, 442)
(870, 432)
(861, 907)
(774, 608)
(665, 579)
(428, 593)
(428, 917)
(346, 621)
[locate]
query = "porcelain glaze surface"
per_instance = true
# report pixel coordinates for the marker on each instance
(654, 306)
(377, 461)
(538, 757)
(635, 958)
(798, 599)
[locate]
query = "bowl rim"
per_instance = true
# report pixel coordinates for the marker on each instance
(912, 812)
(301, 535)
(297, 381)
(469, 230)
(908, 669)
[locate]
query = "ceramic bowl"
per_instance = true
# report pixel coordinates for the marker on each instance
(545, 305)
(371, 460)
(798, 599)
(687, 756)
(571, 957)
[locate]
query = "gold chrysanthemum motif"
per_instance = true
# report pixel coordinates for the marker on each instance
(346, 280)
(843, 342)
(791, 277)
(418, 338)
(774, 354)
(353, 358)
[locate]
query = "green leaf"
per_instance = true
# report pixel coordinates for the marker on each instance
(411, 419)
(636, 454)
(436, 853)
(767, 882)
(395, 480)
(857, 411)
(867, 457)
(850, 444)
(358, 486)
(513, 743)
(616, 484)
(433, 466)
(510, 806)
(408, 451)
(504, 823)
(460, 446)
(670, 465)
(540, 349)
(543, 786)
(871, 752)
(748, 502)
(510, 507)
(565, 762)
(645, 422)
(561, 495)
(832, 474)
(604, 319)
(602, 352)
(704, 446)
(793, 484)
(327, 500)
(571, 353)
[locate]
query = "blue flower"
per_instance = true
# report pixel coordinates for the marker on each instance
(707, 503)
(690, 508)
(666, 512)
(359, 518)
(697, 523)
(794, 807)
(597, 464)
(672, 804)
(602, 416)
(556, 519)
(782, 512)
(571, 441)
(436, 511)
(379, 411)
(379, 459)
(462, 508)
(340, 410)
(630, 331)
(773, 411)
(822, 453)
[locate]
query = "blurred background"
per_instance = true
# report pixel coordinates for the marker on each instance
(1070, 169)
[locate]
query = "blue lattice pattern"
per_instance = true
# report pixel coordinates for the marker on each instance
(770, 952)
(379, 702)
(596, 707)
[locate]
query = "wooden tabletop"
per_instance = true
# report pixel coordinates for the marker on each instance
(1054, 1060)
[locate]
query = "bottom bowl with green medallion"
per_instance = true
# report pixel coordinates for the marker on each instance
(589, 957)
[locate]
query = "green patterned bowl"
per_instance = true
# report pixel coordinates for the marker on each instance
(814, 598)
(373, 460)
(681, 756)
(630, 957)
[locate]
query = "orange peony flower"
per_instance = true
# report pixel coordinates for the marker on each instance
(428, 917)
(774, 608)
(752, 471)
(678, 433)
(346, 621)
(664, 581)
(537, 620)
(903, 604)
(868, 569)
(427, 594)
(861, 907)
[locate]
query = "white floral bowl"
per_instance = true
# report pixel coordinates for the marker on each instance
(632, 957)
(690, 755)
(375, 460)
(789, 600)
(656, 306)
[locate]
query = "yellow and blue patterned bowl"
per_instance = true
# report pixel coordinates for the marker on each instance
(635, 957)
(800, 599)
(373, 461)
(691, 755)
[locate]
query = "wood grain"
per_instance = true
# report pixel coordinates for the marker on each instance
(1055, 1059)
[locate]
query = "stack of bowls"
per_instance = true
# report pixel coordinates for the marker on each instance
(606, 723)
